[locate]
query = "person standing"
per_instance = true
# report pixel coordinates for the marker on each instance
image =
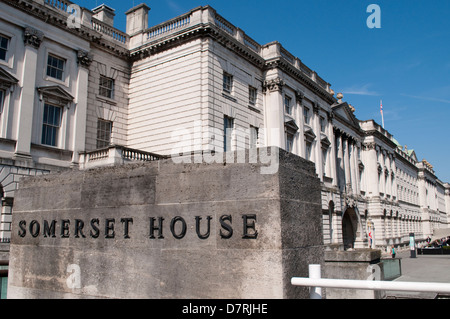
(393, 251)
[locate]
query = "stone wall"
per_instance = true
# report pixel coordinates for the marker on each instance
(141, 231)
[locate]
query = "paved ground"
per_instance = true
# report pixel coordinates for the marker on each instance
(424, 268)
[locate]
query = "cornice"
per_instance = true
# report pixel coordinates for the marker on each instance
(282, 64)
(380, 136)
(189, 34)
(46, 14)
(52, 17)
(168, 42)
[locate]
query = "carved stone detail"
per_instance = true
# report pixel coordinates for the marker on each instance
(274, 85)
(299, 95)
(33, 37)
(84, 58)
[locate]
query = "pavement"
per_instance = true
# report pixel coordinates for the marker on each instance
(423, 268)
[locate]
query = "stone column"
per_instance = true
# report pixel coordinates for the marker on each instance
(299, 96)
(394, 178)
(318, 146)
(372, 170)
(353, 167)
(79, 131)
(388, 179)
(274, 113)
(447, 201)
(333, 153)
(357, 173)
(340, 159)
(33, 39)
(348, 178)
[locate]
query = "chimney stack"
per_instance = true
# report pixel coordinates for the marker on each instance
(105, 14)
(137, 19)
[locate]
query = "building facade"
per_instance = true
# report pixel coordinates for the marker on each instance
(75, 93)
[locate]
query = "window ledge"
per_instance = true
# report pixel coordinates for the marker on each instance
(106, 99)
(57, 81)
(52, 150)
(254, 108)
(228, 96)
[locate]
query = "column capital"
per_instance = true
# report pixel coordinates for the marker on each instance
(369, 146)
(84, 59)
(316, 107)
(274, 85)
(299, 95)
(33, 37)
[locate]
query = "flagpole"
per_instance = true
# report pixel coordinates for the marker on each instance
(382, 114)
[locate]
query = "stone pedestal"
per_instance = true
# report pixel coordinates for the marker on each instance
(361, 264)
(166, 230)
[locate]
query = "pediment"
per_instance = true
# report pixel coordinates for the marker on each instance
(413, 155)
(55, 94)
(325, 142)
(344, 112)
(6, 79)
(290, 125)
(309, 135)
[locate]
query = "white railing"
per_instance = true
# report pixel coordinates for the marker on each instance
(116, 155)
(168, 27)
(61, 5)
(316, 283)
(97, 155)
(109, 31)
(223, 24)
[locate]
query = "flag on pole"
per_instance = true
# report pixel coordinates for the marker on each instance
(381, 111)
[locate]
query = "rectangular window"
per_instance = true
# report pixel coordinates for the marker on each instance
(324, 160)
(227, 82)
(287, 105)
(51, 125)
(2, 100)
(104, 129)
(308, 151)
(289, 142)
(322, 124)
(106, 88)
(254, 132)
(306, 115)
(228, 132)
(252, 94)
(4, 42)
(55, 67)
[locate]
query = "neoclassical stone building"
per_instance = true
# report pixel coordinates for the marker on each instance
(76, 93)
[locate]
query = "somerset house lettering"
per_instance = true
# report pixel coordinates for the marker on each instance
(158, 228)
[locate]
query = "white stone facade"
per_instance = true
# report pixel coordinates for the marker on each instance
(175, 88)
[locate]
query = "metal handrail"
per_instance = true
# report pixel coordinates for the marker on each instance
(314, 281)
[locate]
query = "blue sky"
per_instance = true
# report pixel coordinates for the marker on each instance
(405, 63)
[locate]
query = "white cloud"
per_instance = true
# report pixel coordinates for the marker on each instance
(360, 90)
(427, 98)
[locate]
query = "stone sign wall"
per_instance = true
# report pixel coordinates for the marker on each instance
(167, 230)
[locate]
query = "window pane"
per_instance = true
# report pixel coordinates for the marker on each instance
(106, 87)
(252, 95)
(3, 42)
(228, 130)
(287, 105)
(104, 129)
(50, 125)
(3, 47)
(227, 82)
(2, 98)
(55, 67)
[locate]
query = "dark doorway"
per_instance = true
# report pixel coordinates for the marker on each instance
(348, 229)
